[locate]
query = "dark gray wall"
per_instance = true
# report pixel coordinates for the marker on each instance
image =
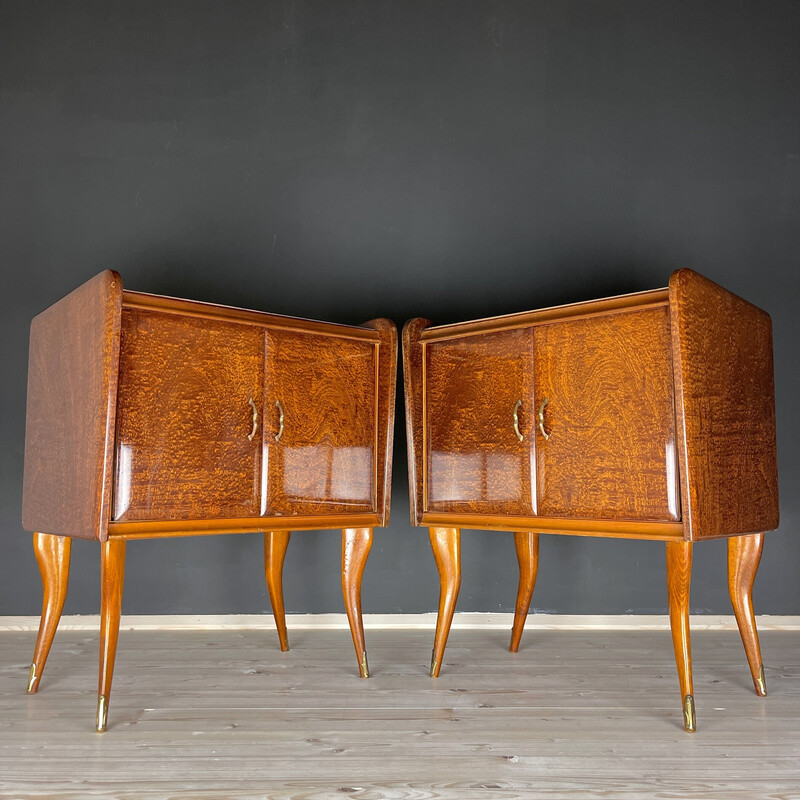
(345, 160)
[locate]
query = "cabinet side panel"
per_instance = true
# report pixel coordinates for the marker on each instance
(725, 399)
(387, 385)
(412, 381)
(72, 386)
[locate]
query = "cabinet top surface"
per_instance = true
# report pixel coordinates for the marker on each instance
(622, 302)
(197, 308)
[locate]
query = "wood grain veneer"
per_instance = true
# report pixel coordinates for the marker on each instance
(413, 386)
(325, 459)
(724, 387)
(475, 461)
(610, 418)
(72, 394)
(184, 417)
(387, 383)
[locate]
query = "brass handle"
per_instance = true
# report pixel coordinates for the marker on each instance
(280, 421)
(255, 420)
(541, 418)
(516, 419)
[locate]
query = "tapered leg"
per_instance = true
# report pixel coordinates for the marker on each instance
(446, 544)
(527, 545)
(679, 576)
(52, 554)
(275, 544)
(356, 544)
(744, 554)
(112, 577)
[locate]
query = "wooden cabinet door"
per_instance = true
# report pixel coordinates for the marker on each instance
(476, 461)
(610, 418)
(184, 418)
(321, 423)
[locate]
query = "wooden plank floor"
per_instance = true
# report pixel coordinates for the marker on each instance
(225, 714)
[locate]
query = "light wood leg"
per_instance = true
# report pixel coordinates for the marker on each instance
(744, 555)
(112, 577)
(356, 544)
(275, 544)
(679, 576)
(52, 554)
(446, 544)
(527, 546)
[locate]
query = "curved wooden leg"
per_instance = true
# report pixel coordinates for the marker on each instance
(275, 544)
(446, 544)
(356, 544)
(527, 545)
(744, 555)
(112, 577)
(52, 554)
(679, 577)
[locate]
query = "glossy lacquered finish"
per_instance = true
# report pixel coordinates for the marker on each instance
(526, 544)
(167, 417)
(744, 555)
(609, 418)
(52, 555)
(642, 416)
(475, 459)
(184, 418)
(679, 577)
(725, 409)
(446, 545)
(320, 423)
(275, 545)
(356, 544)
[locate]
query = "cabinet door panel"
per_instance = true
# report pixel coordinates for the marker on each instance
(610, 417)
(475, 461)
(184, 416)
(324, 460)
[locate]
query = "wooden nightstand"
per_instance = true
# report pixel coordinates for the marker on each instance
(150, 416)
(648, 416)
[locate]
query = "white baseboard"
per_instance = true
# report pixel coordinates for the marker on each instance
(563, 622)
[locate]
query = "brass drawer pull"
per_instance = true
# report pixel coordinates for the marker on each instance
(280, 421)
(516, 419)
(541, 418)
(255, 420)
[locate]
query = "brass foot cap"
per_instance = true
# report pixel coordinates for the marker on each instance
(689, 720)
(102, 714)
(33, 680)
(363, 666)
(434, 666)
(761, 684)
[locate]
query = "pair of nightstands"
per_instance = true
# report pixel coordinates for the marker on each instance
(643, 416)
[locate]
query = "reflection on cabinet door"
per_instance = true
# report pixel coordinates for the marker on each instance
(190, 396)
(320, 423)
(608, 446)
(479, 423)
